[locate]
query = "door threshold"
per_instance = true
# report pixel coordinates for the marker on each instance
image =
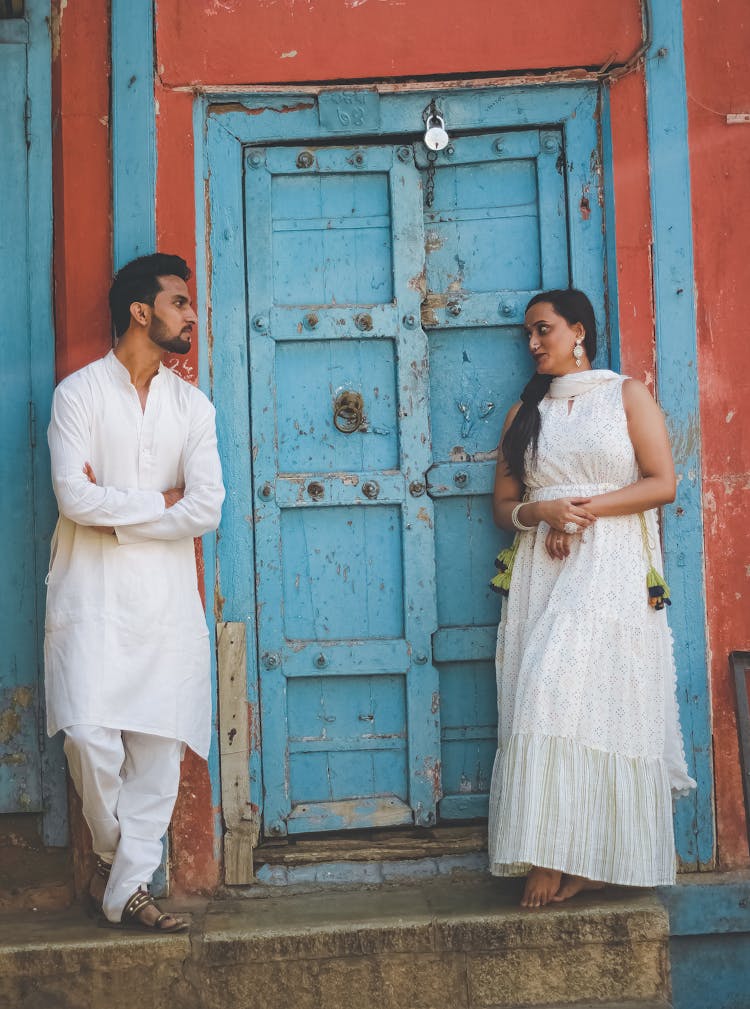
(373, 845)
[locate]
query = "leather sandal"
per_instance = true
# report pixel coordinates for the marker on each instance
(131, 912)
(102, 870)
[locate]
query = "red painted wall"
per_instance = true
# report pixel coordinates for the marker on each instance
(82, 187)
(234, 42)
(717, 40)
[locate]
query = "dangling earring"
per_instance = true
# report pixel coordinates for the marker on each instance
(578, 353)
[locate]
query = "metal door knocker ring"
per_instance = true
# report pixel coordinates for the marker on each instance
(348, 412)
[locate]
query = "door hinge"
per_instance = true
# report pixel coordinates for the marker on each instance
(32, 424)
(27, 120)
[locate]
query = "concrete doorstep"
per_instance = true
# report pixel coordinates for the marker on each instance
(435, 945)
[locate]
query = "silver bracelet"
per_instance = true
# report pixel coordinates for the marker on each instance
(517, 523)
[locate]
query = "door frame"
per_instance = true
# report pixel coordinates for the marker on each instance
(230, 123)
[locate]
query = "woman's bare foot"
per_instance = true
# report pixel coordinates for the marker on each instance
(541, 887)
(571, 885)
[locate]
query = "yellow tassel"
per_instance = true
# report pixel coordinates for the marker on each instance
(658, 590)
(504, 563)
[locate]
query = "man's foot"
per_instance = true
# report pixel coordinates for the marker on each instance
(571, 885)
(541, 887)
(142, 913)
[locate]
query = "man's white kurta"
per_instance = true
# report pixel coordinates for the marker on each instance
(126, 642)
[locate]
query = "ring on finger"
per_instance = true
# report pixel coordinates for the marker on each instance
(570, 528)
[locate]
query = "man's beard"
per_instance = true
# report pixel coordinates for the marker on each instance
(174, 344)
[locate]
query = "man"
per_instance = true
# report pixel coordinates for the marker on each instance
(136, 474)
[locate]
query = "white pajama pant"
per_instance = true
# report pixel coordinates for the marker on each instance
(128, 785)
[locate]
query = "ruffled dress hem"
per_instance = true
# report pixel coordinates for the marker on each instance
(559, 804)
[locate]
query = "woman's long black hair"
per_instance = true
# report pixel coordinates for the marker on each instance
(523, 433)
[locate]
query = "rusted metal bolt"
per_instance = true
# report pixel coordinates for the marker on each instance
(321, 661)
(404, 153)
(409, 321)
(454, 308)
(461, 479)
(305, 159)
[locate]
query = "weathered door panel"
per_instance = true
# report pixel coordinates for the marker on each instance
(385, 347)
(20, 757)
(495, 234)
(343, 531)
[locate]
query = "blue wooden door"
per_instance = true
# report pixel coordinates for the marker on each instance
(20, 757)
(496, 234)
(385, 348)
(343, 531)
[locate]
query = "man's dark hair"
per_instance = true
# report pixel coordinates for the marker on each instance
(138, 280)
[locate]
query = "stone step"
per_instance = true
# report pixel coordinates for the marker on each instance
(438, 945)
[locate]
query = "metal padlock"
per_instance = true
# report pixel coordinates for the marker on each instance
(436, 138)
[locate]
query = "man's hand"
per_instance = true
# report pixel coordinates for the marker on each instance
(171, 497)
(91, 476)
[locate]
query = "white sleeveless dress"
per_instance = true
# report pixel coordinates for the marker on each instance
(589, 743)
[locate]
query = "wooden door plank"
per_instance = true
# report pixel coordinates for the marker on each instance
(240, 815)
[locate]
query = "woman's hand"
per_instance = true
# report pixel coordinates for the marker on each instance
(558, 513)
(557, 544)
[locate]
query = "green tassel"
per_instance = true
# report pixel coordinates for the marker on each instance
(504, 564)
(658, 590)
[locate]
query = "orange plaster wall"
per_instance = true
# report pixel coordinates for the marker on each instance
(81, 182)
(233, 42)
(633, 227)
(717, 40)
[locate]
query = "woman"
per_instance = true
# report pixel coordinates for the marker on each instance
(589, 740)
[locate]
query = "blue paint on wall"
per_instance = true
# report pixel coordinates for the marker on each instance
(33, 771)
(610, 235)
(677, 382)
(133, 130)
(709, 924)
(42, 364)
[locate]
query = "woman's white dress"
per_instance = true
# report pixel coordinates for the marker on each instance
(589, 743)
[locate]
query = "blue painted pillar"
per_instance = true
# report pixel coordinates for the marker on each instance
(134, 164)
(677, 383)
(133, 130)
